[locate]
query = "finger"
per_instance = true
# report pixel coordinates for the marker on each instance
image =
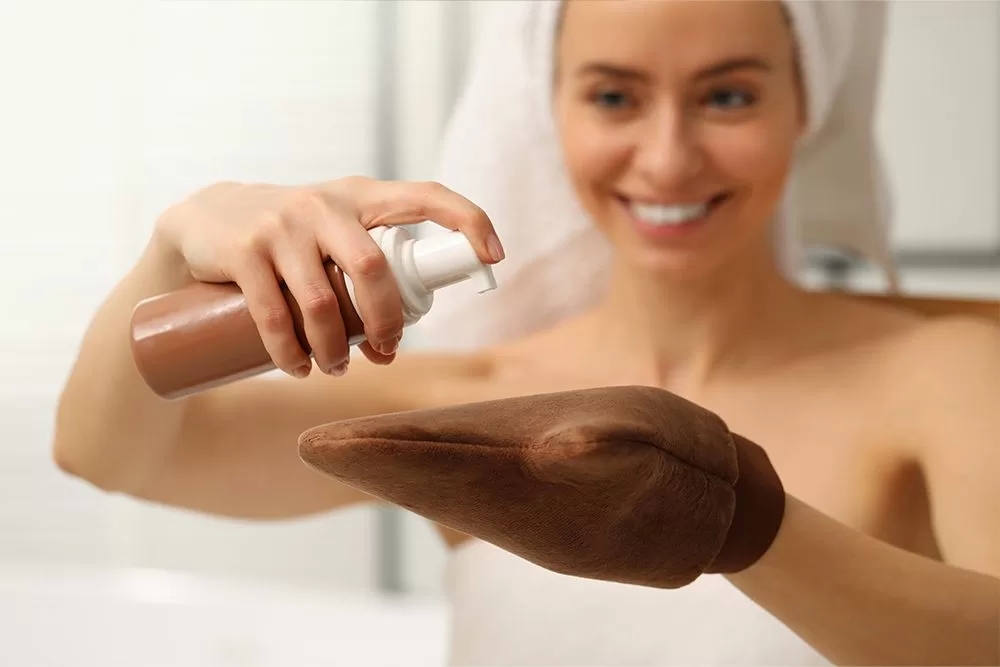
(379, 303)
(375, 356)
(408, 202)
(300, 264)
(255, 276)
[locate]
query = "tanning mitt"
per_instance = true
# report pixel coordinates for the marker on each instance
(628, 484)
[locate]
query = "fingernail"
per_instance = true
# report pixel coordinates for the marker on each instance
(303, 370)
(339, 370)
(388, 347)
(494, 248)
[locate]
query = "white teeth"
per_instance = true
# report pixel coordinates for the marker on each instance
(657, 214)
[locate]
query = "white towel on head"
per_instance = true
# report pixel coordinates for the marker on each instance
(501, 151)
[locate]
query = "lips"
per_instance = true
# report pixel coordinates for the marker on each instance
(672, 214)
(669, 219)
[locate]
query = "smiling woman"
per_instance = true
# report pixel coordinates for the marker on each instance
(805, 97)
(678, 123)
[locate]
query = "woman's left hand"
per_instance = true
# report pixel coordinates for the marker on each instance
(627, 484)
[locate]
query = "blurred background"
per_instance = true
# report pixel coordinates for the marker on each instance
(114, 109)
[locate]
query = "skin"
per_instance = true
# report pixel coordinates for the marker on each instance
(881, 422)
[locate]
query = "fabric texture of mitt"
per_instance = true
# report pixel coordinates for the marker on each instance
(629, 484)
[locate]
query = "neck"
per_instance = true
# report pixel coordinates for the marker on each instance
(684, 331)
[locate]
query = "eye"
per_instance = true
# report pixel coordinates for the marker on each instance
(730, 98)
(611, 99)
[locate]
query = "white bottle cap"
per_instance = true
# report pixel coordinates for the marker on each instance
(425, 265)
(445, 259)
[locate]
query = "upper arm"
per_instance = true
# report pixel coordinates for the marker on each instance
(236, 453)
(955, 417)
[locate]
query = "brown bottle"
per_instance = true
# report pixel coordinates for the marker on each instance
(202, 336)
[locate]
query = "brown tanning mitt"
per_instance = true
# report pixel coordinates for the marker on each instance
(628, 484)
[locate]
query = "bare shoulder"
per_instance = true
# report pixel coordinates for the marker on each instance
(917, 359)
(941, 380)
(954, 356)
(943, 350)
(908, 328)
(942, 375)
(928, 344)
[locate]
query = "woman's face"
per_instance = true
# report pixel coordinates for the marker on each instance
(678, 121)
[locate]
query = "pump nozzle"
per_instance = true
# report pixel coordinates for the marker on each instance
(449, 258)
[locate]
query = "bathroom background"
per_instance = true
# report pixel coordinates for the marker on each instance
(112, 109)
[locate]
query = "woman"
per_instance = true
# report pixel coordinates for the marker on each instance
(678, 125)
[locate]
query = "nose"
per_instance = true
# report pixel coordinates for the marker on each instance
(668, 154)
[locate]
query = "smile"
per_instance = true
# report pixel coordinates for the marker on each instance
(672, 215)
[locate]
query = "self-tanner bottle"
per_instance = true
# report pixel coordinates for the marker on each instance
(202, 336)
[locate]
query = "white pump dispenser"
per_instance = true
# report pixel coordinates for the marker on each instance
(422, 266)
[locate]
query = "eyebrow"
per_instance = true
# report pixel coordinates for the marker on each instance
(723, 67)
(733, 64)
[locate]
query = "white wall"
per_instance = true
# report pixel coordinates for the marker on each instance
(939, 123)
(420, 103)
(112, 109)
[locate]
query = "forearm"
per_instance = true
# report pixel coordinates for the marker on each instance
(110, 427)
(858, 600)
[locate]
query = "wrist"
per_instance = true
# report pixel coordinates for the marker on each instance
(162, 263)
(759, 511)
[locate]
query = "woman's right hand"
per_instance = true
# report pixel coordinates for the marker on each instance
(257, 235)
